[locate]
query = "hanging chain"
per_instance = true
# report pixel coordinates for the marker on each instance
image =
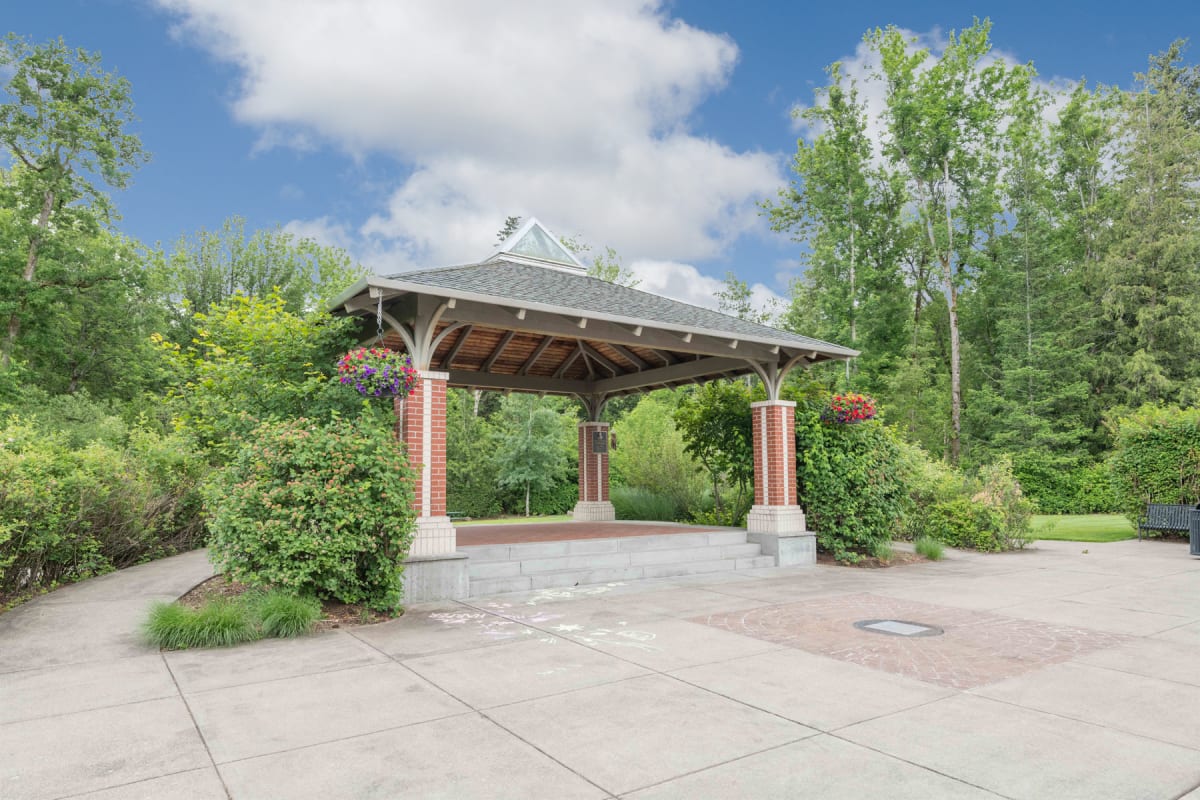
(379, 321)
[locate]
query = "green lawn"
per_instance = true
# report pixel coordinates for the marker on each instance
(515, 520)
(1083, 527)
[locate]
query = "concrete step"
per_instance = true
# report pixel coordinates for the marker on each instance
(496, 569)
(627, 544)
(604, 560)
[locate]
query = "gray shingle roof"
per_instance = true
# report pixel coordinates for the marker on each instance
(515, 283)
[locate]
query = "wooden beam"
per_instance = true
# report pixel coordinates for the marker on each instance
(627, 354)
(682, 371)
(458, 343)
(567, 362)
(529, 362)
(499, 351)
(519, 383)
(593, 354)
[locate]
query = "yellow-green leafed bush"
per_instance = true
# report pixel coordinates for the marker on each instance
(319, 509)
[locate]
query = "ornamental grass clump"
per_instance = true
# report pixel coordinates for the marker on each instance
(377, 372)
(848, 409)
(318, 509)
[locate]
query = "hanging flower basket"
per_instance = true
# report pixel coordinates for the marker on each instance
(377, 372)
(849, 409)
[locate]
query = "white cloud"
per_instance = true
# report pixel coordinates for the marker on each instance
(687, 284)
(574, 112)
(862, 68)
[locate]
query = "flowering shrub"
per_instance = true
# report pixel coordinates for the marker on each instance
(318, 509)
(377, 372)
(847, 409)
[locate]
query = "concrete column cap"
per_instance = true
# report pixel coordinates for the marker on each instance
(434, 376)
(769, 403)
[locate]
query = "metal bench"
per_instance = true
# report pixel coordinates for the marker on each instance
(461, 516)
(1162, 517)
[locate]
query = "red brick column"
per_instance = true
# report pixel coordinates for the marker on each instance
(774, 453)
(776, 521)
(424, 434)
(593, 504)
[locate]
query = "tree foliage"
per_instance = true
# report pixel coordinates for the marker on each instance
(64, 126)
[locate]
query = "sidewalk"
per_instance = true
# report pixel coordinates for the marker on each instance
(1064, 672)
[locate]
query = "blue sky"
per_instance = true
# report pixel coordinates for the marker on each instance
(406, 132)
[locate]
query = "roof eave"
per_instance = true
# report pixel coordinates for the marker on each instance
(831, 351)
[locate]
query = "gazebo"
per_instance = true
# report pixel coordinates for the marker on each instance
(529, 318)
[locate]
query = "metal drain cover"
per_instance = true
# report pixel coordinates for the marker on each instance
(898, 627)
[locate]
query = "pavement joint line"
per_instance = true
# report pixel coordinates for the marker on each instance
(475, 710)
(1091, 723)
(87, 710)
(528, 743)
(196, 725)
(349, 737)
(1138, 675)
(198, 692)
(134, 783)
(918, 765)
(17, 671)
(1190, 622)
(1185, 793)
(726, 762)
(99, 708)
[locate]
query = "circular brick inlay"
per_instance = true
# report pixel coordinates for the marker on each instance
(898, 627)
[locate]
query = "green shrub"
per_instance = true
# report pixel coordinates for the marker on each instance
(284, 615)
(1002, 492)
(852, 482)
(318, 509)
(1156, 458)
(1063, 485)
(990, 513)
(930, 548)
(963, 522)
(641, 504)
(557, 499)
(68, 513)
(652, 455)
(219, 623)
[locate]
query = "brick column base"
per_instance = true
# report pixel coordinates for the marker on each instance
(776, 521)
(593, 505)
(425, 435)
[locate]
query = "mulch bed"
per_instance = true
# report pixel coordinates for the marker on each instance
(871, 562)
(336, 614)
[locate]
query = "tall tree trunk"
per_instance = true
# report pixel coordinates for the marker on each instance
(853, 307)
(955, 351)
(955, 375)
(14, 321)
(527, 498)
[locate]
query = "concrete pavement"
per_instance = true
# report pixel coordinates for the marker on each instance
(1068, 671)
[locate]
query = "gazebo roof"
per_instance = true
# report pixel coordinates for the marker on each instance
(527, 319)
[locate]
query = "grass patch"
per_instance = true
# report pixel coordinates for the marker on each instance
(222, 621)
(1083, 527)
(514, 520)
(285, 616)
(929, 548)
